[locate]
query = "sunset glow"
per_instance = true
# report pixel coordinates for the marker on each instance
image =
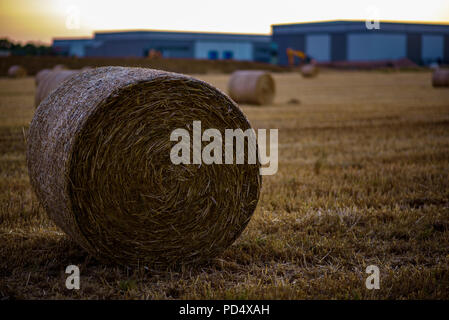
(27, 20)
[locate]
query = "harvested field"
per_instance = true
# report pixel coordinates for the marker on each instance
(363, 180)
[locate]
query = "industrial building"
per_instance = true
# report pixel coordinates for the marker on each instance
(324, 41)
(353, 41)
(196, 45)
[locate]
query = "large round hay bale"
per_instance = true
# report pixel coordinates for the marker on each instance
(99, 161)
(253, 87)
(309, 70)
(17, 71)
(440, 78)
(49, 81)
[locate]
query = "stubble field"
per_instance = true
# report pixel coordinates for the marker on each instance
(363, 180)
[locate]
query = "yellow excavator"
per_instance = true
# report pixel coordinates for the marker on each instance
(307, 66)
(154, 54)
(291, 54)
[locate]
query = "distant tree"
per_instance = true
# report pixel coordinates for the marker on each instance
(5, 44)
(29, 49)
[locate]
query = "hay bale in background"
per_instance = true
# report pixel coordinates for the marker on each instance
(440, 78)
(60, 67)
(48, 81)
(309, 70)
(99, 161)
(253, 87)
(41, 76)
(17, 71)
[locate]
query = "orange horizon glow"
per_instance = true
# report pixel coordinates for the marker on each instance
(41, 21)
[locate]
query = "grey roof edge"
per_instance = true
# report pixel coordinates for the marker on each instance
(129, 34)
(169, 35)
(359, 25)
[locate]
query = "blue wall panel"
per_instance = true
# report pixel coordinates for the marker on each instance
(339, 47)
(318, 47)
(139, 48)
(446, 49)
(376, 46)
(414, 47)
(240, 50)
(432, 48)
(284, 41)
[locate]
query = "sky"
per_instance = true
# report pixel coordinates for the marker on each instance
(43, 20)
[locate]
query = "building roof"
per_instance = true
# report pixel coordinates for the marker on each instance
(179, 35)
(167, 35)
(359, 25)
(68, 41)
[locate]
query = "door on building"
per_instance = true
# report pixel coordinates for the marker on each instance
(228, 55)
(213, 54)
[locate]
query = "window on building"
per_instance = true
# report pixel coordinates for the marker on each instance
(228, 55)
(213, 54)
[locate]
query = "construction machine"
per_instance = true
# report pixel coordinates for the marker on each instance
(307, 66)
(154, 54)
(291, 54)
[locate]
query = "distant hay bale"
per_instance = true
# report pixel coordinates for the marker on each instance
(98, 157)
(17, 71)
(60, 67)
(252, 87)
(440, 78)
(309, 71)
(49, 81)
(41, 75)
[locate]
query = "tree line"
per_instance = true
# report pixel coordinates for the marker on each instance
(28, 49)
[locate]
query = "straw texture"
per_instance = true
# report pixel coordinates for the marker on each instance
(99, 161)
(440, 78)
(17, 71)
(49, 80)
(252, 87)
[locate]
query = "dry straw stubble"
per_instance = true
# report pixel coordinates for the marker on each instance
(99, 161)
(252, 87)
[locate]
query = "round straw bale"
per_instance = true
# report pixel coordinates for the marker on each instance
(49, 81)
(60, 67)
(17, 71)
(41, 75)
(253, 87)
(99, 161)
(309, 70)
(440, 78)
